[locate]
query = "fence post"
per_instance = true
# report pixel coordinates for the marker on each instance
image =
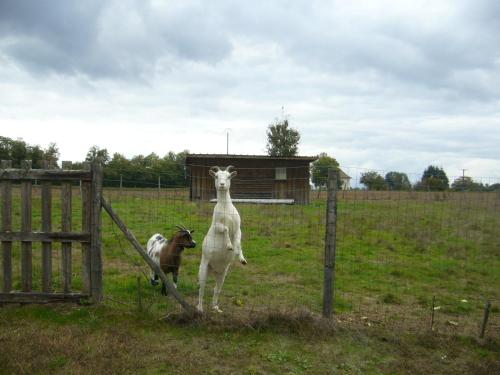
(96, 232)
(6, 188)
(487, 307)
(66, 224)
(26, 219)
(330, 245)
(86, 195)
(46, 227)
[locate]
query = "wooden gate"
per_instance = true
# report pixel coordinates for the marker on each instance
(17, 192)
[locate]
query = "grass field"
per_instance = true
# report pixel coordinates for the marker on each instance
(396, 252)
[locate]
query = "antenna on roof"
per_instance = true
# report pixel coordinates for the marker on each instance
(227, 130)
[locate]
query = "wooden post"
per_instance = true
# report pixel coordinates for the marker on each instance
(66, 208)
(486, 314)
(46, 227)
(159, 183)
(96, 232)
(433, 312)
(121, 182)
(86, 228)
(26, 246)
(6, 188)
(330, 245)
(155, 267)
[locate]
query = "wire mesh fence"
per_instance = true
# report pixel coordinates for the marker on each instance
(414, 260)
(282, 243)
(419, 260)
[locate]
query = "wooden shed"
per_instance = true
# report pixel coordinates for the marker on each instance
(260, 178)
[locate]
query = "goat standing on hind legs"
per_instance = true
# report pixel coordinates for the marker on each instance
(223, 240)
(168, 255)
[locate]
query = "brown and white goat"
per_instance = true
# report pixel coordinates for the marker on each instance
(168, 254)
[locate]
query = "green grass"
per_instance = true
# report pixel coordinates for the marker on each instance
(394, 254)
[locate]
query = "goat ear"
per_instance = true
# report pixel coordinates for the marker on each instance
(233, 174)
(192, 230)
(212, 173)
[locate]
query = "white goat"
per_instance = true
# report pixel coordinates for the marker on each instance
(223, 240)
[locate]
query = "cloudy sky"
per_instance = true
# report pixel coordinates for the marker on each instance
(384, 85)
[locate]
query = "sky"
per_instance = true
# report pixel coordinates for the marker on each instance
(379, 85)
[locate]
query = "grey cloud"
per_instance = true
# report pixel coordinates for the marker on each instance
(134, 39)
(106, 39)
(402, 50)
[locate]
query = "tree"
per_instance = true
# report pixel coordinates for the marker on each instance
(35, 154)
(493, 187)
(96, 152)
(397, 181)
(319, 170)
(51, 154)
(466, 184)
(373, 181)
(18, 152)
(282, 140)
(433, 179)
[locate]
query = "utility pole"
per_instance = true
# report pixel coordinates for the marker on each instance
(463, 179)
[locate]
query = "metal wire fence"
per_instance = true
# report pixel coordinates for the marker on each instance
(414, 260)
(419, 259)
(406, 259)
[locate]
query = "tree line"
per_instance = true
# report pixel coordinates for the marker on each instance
(433, 179)
(18, 150)
(169, 170)
(283, 140)
(138, 171)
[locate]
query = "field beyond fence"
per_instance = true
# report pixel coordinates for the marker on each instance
(404, 259)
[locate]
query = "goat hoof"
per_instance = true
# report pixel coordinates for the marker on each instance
(154, 282)
(216, 309)
(243, 261)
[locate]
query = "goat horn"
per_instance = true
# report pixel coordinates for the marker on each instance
(229, 167)
(181, 227)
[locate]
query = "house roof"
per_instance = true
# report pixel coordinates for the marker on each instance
(255, 157)
(343, 174)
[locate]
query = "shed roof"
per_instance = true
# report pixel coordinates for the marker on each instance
(255, 157)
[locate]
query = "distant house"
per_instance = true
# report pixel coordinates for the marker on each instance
(260, 178)
(346, 180)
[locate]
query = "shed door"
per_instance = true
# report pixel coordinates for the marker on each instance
(280, 189)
